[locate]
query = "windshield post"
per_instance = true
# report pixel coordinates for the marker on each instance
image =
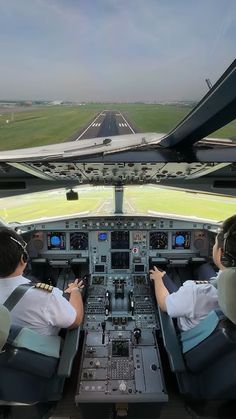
(119, 191)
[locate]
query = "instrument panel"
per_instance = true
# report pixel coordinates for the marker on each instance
(122, 244)
(114, 236)
(158, 240)
(120, 357)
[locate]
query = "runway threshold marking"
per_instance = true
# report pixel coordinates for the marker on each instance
(89, 126)
(131, 129)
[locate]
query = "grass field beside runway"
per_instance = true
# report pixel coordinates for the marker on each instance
(54, 124)
(136, 200)
(42, 126)
(170, 201)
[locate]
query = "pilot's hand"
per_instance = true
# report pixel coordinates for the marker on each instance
(76, 285)
(156, 274)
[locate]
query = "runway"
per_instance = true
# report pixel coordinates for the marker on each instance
(107, 123)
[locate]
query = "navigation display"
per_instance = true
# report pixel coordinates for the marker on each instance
(56, 240)
(120, 260)
(78, 241)
(181, 240)
(158, 240)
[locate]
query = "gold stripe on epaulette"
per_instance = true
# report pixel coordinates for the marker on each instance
(201, 282)
(44, 287)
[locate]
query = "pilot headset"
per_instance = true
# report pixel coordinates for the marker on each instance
(25, 255)
(230, 234)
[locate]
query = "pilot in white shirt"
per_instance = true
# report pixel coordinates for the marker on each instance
(191, 302)
(44, 309)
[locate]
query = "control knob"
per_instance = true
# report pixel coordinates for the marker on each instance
(123, 386)
(137, 334)
(97, 363)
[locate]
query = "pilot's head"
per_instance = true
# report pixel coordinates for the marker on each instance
(13, 254)
(227, 240)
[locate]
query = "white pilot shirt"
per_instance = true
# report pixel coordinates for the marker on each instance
(191, 303)
(43, 311)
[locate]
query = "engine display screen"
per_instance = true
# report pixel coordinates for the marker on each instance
(78, 241)
(181, 240)
(120, 348)
(120, 239)
(120, 260)
(56, 240)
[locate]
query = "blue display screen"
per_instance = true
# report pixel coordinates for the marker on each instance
(181, 240)
(56, 240)
(102, 237)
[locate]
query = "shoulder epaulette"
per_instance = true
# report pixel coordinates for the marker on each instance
(44, 287)
(201, 282)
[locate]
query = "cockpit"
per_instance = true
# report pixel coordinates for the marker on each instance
(116, 360)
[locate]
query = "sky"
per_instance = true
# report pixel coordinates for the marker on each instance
(114, 50)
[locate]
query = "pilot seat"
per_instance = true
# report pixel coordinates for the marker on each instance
(203, 358)
(33, 367)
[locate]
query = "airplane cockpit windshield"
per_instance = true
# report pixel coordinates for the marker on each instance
(100, 200)
(60, 77)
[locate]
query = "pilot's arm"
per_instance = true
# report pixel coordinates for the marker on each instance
(161, 291)
(61, 313)
(74, 289)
